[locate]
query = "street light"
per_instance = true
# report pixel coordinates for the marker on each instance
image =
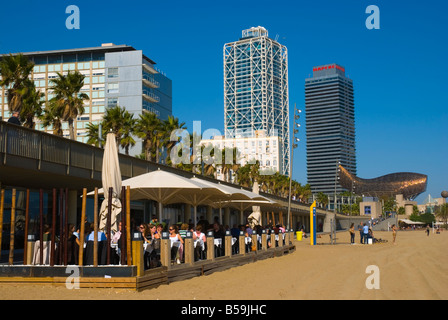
(293, 146)
(336, 177)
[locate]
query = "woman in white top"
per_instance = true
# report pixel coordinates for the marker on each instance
(176, 243)
(199, 242)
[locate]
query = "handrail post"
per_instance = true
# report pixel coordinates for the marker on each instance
(242, 243)
(264, 240)
(189, 248)
(165, 250)
(137, 253)
(210, 246)
(228, 244)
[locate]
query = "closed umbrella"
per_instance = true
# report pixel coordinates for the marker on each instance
(254, 218)
(111, 178)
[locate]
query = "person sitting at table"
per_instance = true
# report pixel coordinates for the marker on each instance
(176, 244)
(102, 246)
(219, 233)
(199, 242)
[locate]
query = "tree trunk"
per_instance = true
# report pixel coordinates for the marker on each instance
(71, 129)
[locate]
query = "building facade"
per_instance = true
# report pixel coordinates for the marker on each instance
(266, 149)
(330, 128)
(256, 95)
(114, 75)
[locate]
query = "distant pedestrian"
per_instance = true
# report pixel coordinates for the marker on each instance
(365, 233)
(360, 233)
(427, 230)
(394, 233)
(352, 233)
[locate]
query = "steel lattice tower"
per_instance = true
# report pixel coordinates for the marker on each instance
(256, 93)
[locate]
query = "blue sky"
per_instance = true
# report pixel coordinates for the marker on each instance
(398, 71)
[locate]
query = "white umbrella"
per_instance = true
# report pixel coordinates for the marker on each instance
(230, 193)
(242, 205)
(165, 188)
(111, 178)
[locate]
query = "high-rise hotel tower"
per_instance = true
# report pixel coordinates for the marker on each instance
(330, 127)
(256, 97)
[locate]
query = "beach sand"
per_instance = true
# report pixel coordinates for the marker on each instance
(416, 267)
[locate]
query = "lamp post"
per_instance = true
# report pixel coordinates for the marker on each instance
(295, 131)
(335, 182)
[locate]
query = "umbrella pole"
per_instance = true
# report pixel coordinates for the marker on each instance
(109, 214)
(95, 228)
(82, 227)
(61, 229)
(65, 210)
(128, 225)
(2, 203)
(160, 212)
(12, 228)
(53, 229)
(41, 231)
(123, 225)
(195, 215)
(27, 219)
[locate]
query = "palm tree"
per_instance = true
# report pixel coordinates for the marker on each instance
(119, 121)
(15, 71)
(52, 116)
(68, 100)
(305, 193)
(127, 140)
(147, 127)
(31, 105)
(322, 198)
(229, 162)
(168, 127)
(93, 136)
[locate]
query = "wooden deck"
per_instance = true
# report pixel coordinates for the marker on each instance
(151, 279)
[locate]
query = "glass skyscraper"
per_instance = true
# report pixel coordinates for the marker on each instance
(330, 127)
(256, 96)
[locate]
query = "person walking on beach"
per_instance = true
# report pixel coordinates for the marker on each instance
(427, 230)
(352, 233)
(394, 233)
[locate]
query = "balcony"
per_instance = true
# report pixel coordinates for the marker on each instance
(151, 97)
(149, 68)
(151, 83)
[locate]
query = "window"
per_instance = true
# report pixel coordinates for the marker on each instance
(367, 210)
(112, 72)
(112, 102)
(112, 87)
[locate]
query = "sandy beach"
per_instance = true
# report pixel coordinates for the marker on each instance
(416, 267)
